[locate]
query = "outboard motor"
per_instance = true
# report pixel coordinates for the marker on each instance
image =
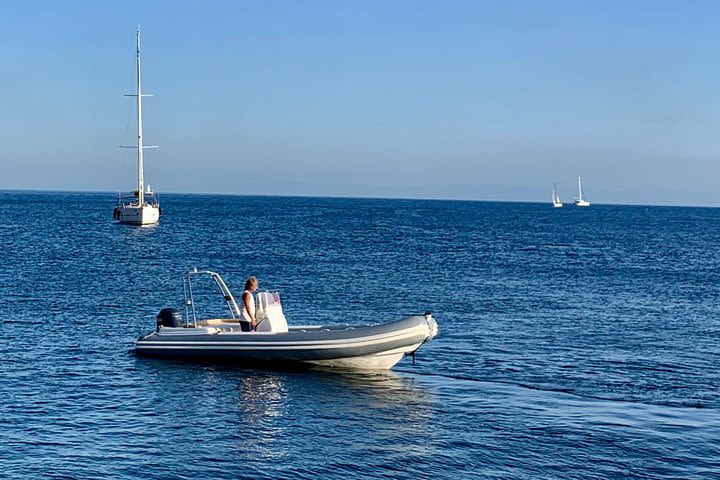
(169, 317)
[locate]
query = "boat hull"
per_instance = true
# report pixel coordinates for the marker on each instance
(367, 347)
(138, 215)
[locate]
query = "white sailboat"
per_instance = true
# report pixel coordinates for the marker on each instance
(555, 197)
(580, 201)
(142, 206)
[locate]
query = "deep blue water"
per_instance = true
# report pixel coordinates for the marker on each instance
(574, 343)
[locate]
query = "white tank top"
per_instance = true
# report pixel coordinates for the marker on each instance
(248, 316)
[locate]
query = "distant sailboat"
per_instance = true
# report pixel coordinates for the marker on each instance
(141, 207)
(555, 197)
(580, 201)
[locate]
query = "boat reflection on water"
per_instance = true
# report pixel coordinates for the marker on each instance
(261, 405)
(268, 393)
(279, 411)
(273, 414)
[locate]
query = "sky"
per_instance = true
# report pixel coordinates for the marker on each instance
(477, 100)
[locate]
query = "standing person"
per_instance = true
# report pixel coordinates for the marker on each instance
(248, 312)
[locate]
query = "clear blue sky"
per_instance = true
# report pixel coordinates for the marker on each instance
(487, 100)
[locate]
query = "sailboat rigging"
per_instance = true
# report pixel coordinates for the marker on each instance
(142, 207)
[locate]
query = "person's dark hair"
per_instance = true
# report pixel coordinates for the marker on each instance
(251, 283)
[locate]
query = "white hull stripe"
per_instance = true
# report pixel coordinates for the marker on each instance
(403, 349)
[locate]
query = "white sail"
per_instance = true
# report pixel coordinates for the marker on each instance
(556, 197)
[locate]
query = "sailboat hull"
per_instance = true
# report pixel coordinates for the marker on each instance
(582, 203)
(139, 215)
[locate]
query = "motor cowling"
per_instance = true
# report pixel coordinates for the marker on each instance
(169, 317)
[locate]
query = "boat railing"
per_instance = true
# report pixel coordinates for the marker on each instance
(189, 303)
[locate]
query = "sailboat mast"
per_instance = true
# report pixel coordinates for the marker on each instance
(141, 186)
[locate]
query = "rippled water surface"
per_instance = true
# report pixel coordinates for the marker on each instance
(574, 343)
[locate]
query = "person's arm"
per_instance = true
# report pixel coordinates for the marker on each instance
(247, 299)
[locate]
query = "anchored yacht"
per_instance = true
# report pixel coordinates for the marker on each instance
(580, 201)
(142, 206)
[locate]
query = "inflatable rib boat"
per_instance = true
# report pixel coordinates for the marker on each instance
(378, 346)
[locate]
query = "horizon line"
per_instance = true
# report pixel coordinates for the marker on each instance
(351, 197)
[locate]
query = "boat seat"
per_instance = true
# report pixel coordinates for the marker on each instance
(176, 331)
(219, 321)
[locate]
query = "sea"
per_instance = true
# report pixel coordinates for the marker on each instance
(573, 343)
